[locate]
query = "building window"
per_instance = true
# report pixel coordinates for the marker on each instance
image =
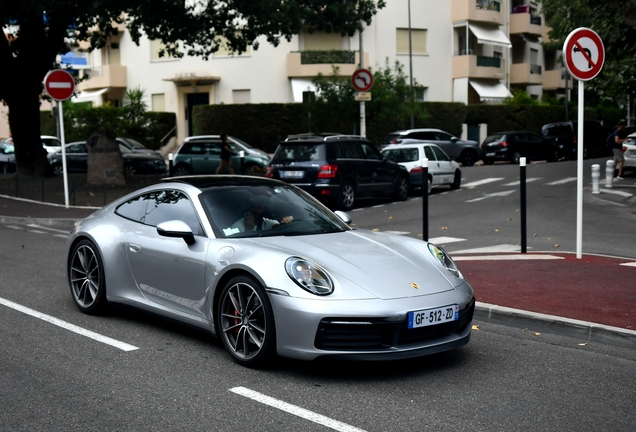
(158, 102)
(241, 96)
(420, 93)
(155, 47)
(418, 41)
(321, 41)
(224, 48)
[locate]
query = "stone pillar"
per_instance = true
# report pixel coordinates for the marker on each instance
(105, 163)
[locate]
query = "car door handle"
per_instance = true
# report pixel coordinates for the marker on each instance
(134, 247)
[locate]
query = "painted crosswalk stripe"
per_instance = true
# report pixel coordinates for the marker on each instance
(445, 240)
(518, 182)
(562, 181)
(617, 192)
(492, 195)
(295, 410)
(481, 182)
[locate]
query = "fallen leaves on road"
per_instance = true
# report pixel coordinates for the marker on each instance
(444, 228)
(475, 327)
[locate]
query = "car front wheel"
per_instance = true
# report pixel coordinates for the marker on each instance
(58, 169)
(457, 180)
(86, 276)
(246, 322)
(181, 170)
(468, 158)
(401, 188)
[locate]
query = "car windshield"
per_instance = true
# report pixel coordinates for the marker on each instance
(227, 208)
(135, 144)
(242, 143)
(298, 152)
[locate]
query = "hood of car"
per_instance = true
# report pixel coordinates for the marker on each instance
(385, 266)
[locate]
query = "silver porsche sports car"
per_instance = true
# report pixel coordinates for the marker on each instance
(270, 271)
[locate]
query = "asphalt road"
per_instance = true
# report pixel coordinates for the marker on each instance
(59, 378)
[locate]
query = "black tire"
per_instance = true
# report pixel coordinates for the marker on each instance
(245, 322)
(58, 169)
(457, 180)
(468, 158)
(86, 277)
(129, 170)
(401, 188)
(516, 156)
(554, 156)
(346, 196)
(429, 186)
(181, 170)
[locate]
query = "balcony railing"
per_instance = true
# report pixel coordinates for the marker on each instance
(327, 57)
(535, 20)
(488, 5)
(489, 61)
(535, 69)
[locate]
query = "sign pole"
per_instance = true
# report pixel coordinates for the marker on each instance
(363, 114)
(60, 120)
(579, 176)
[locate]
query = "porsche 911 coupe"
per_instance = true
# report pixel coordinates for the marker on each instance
(270, 271)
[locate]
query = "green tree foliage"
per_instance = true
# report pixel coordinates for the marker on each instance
(392, 102)
(615, 22)
(38, 30)
(520, 97)
(134, 105)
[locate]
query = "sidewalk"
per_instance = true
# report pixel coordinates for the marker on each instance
(593, 298)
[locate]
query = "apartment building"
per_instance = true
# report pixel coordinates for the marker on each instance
(470, 51)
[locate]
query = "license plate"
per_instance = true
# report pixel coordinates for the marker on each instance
(427, 317)
(490, 154)
(291, 174)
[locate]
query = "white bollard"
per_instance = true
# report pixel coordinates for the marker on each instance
(609, 173)
(596, 175)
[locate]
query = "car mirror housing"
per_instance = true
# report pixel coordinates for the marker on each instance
(344, 216)
(454, 139)
(177, 229)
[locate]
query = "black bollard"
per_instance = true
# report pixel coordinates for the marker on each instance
(524, 234)
(425, 199)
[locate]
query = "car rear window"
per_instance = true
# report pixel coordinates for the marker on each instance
(402, 155)
(557, 130)
(494, 138)
(299, 152)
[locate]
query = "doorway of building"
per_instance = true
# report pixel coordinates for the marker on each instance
(192, 100)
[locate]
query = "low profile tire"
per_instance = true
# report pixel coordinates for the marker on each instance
(401, 188)
(457, 180)
(468, 158)
(516, 156)
(86, 277)
(346, 196)
(246, 322)
(181, 170)
(429, 186)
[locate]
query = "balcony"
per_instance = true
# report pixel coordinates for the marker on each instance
(525, 74)
(308, 64)
(474, 66)
(525, 23)
(554, 79)
(104, 77)
(488, 11)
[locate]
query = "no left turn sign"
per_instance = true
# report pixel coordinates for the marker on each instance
(584, 53)
(362, 80)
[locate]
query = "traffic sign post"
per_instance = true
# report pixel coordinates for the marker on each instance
(60, 85)
(584, 58)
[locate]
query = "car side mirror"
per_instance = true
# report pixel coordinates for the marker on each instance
(344, 216)
(177, 229)
(454, 139)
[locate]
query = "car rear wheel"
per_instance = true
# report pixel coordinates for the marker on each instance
(401, 188)
(181, 170)
(86, 277)
(58, 169)
(468, 158)
(429, 186)
(246, 322)
(457, 180)
(516, 156)
(129, 170)
(346, 196)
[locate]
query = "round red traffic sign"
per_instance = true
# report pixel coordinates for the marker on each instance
(584, 53)
(59, 84)
(362, 80)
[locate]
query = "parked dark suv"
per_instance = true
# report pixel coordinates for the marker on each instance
(464, 151)
(338, 169)
(511, 146)
(564, 136)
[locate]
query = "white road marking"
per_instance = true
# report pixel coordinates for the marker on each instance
(515, 257)
(492, 195)
(518, 182)
(629, 264)
(48, 228)
(616, 192)
(562, 181)
(15, 227)
(398, 232)
(444, 240)
(37, 231)
(68, 326)
(295, 410)
(481, 182)
(60, 235)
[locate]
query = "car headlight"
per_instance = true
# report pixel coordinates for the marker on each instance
(309, 276)
(444, 259)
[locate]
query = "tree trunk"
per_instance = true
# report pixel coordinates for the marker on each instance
(30, 156)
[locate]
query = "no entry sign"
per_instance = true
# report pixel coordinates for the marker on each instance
(362, 80)
(584, 53)
(59, 84)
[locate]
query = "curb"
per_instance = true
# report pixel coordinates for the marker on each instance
(64, 223)
(585, 330)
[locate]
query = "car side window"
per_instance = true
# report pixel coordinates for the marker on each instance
(77, 148)
(443, 136)
(428, 151)
(370, 152)
(533, 138)
(134, 209)
(170, 205)
(440, 155)
(213, 148)
(422, 135)
(352, 150)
